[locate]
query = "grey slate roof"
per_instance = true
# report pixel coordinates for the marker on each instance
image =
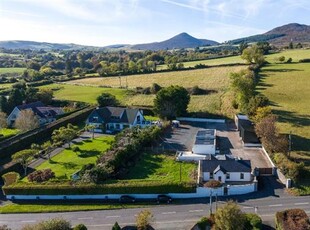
(228, 165)
(115, 114)
(41, 110)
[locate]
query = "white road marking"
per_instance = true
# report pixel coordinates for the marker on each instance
(275, 205)
(198, 210)
(164, 213)
(112, 216)
(28, 221)
(85, 218)
(305, 203)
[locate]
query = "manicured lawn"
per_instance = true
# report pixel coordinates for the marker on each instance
(12, 70)
(41, 208)
(68, 162)
(9, 132)
(161, 167)
(86, 94)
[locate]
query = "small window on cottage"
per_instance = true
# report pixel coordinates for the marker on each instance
(227, 176)
(241, 176)
(211, 175)
(138, 118)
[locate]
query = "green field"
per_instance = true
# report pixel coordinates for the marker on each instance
(86, 94)
(162, 167)
(5, 85)
(288, 88)
(12, 70)
(210, 62)
(68, 162)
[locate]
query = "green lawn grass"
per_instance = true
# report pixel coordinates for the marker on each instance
(210, 62)
(288, 88)
(8, 132)
(68, 162)
(5, 85)
(86, 94)
(45, 208)
(12, 70)
(161, 167)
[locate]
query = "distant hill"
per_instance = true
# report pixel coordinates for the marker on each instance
(179, 41)
(281, 35)
(16, 44)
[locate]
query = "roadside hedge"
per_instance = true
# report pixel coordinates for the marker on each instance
(112, 187)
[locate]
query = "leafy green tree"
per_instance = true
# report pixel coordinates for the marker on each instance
(243, 84)
(243, 46)
(24, 157)
(155, 88)
(16, 97)
(253, 55)
(143, 220)
(171, 102)
(107, 99)
(229, 217)
(80, 227)
(261, 113)
(31, 94)
(64, 134)
(4, 107)
(45, 96)
(255, 102)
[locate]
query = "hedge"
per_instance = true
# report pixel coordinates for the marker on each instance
(292, 219)
(113, 187)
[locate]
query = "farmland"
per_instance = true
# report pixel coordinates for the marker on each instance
(287, 86)
(11, 70)
(210, 62)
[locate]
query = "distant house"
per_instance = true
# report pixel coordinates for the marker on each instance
(205, 142)
(45, 114)
(111, 119)
(247, 131)
(225, 170)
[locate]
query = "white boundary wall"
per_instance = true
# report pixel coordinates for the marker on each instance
(277, 172)
(201, 120)
(201, 192)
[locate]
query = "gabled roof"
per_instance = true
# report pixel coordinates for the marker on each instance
(116, 114)
(41, 110)
(219, 168)
(228, 165)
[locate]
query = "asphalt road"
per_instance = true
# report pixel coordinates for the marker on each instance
(182, 216)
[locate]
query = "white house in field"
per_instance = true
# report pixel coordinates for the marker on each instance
(225, 170)
(45, 114)
(114, 119)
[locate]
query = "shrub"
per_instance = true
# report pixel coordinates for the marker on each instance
(203, 223)
(52, 224)
(80, 227)
(10, 178)
(292, 219)
(213, 184)
(155, 88)
(75, 149)
(41, 175)
(289, 60)
(116, 226)
(252, 221)
(144, 218)
(304, 60)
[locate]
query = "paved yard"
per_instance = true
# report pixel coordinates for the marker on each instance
(182, 139)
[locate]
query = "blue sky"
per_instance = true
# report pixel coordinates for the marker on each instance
(105, 22)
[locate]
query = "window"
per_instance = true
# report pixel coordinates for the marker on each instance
(241, 176)
(227, 176)
(117, 126)
(138, 118)
(211, 175)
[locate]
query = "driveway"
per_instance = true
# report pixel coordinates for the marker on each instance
(182, 139)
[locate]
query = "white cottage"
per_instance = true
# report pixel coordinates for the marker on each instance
(225, 170)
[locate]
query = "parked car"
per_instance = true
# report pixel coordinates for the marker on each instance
(164, 198)
(127, 199)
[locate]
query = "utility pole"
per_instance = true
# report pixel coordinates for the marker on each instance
(210, 201)
(289, 143)
(215, 201)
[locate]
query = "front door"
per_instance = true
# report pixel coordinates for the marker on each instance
(220, 178)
